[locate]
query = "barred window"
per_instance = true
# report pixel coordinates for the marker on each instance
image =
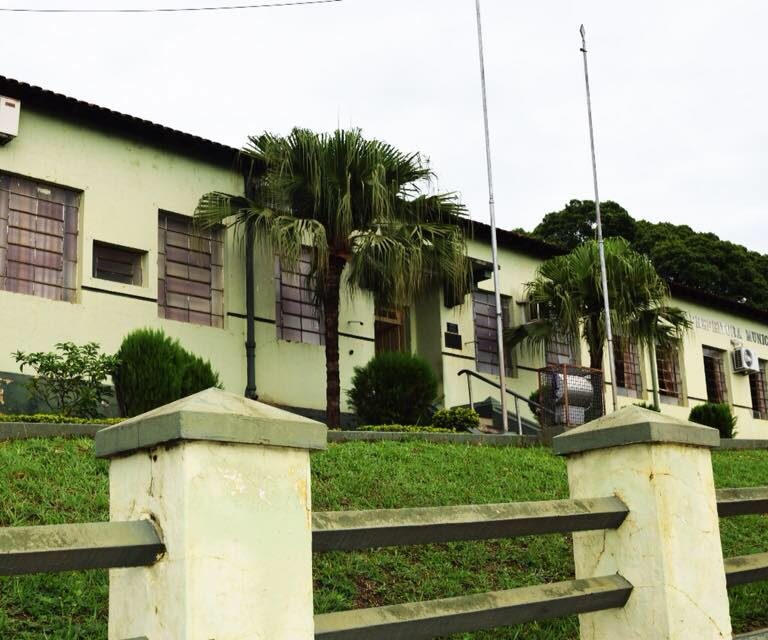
(668, 368)
(38, 238)
(758, 386)
(486, 334)
(118, 264)
(628, 379)
(714, 374)
(560, 350)
(298, 314)
(190, 273)
(391, 329)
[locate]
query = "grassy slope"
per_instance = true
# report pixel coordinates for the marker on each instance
(52, 481)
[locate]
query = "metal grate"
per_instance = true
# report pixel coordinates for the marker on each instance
(759, 391)
(190, 272)
(668, 368)
(571, 395)
(714, 374)
(391, 329)
(560, 350)
(38, 238)
(298, 313)
(628, 379)
(486, 341)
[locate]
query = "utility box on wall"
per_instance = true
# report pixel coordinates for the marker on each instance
(10, 110)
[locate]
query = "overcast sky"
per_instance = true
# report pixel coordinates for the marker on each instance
(679, 91)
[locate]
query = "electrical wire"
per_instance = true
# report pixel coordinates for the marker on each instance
(171, 9)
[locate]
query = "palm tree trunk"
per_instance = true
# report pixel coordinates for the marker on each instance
(331, 294)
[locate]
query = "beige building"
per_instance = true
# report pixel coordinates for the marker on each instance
(95, 241)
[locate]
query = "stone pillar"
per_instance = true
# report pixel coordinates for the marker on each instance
(669, 545)
(227, 482)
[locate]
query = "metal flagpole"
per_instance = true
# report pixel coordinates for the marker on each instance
(494, 248)
(600, 243)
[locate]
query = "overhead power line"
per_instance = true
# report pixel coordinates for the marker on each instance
(172, 9)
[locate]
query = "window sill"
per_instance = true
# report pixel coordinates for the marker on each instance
(119, 287)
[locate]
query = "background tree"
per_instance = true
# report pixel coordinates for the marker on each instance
(568, 291)
(575, 223)
(681, 255)
(365, 209)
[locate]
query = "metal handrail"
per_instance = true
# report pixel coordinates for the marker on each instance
(470, 374)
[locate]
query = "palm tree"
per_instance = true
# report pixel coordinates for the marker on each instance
(363, 207)
(569, 294)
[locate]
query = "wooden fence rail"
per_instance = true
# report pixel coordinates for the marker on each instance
(67, 547)
(741, 502)
(475, 612)
(347, 530)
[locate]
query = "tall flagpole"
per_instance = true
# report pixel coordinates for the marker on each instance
(494, 248)
(600, 243)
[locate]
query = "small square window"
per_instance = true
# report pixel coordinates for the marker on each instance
(118, 264)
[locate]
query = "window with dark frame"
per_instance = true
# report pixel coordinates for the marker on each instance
(190, 272)
(668, 369)
(391, 329)
(38, 238)
(560, 350)
(714, 374)
(486, 334)
(118, 264)
(298, 313)
(758, 386)
(628, 379)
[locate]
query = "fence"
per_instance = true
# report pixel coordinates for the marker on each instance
(212, 533)
(571, 395)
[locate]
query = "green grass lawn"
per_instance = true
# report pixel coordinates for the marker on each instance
(57, 480)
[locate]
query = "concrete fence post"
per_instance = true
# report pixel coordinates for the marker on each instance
(227, 482)
(669, 545)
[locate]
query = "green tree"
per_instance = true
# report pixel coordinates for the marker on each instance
(568, 291)
(575, 223)
(365, 209)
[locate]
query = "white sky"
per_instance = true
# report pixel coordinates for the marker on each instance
(679, 91)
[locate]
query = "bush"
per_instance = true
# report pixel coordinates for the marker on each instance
(54, 418)
(403, 428)
(70, 379)
(393, 388)
(456, 419)
(717, 415)
(198, 375)
(534, 397)
(154, 370)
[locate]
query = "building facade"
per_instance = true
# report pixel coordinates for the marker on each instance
(96, 240)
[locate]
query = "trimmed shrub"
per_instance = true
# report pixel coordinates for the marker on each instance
(198, 375)
(393, 388)
(648, 405)
(456, 419)
(54, 418)
(405, 428)
(717, 415)
(154, 370)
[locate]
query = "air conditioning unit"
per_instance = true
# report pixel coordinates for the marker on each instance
(745, 361)
(10, 109)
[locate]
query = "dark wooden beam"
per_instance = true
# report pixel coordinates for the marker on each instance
(471, 613)
(740, 502)
(745, 569)
(66, 547)
(345, 530)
